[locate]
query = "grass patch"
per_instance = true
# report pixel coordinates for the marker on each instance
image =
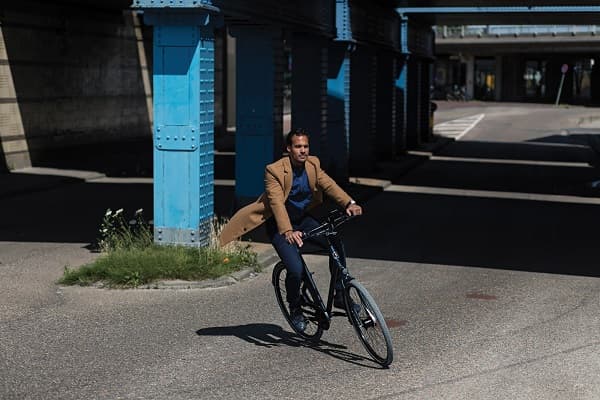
(130, 258)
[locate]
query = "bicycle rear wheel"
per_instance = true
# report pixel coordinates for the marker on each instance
(314, 327)
(369, 323)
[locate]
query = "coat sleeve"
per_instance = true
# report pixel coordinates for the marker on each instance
(330, 188)
(276, 201)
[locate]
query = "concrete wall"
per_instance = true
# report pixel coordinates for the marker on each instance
(70, 76)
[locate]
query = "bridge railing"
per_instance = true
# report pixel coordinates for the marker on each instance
(469, 31)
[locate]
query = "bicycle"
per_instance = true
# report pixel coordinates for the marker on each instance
(361, 310)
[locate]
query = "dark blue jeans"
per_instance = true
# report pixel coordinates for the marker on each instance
(289, 254)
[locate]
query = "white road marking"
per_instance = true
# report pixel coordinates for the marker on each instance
(457, 128)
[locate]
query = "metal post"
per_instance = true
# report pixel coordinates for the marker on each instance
(338, 110)
(183, 105)
(309, 91)
(338, 92)
(259, 106)
(362, 123)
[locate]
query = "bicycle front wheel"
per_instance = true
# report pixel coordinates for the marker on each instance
(369, 323)
(314, 328)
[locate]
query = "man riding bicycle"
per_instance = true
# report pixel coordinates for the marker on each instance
(293, 186)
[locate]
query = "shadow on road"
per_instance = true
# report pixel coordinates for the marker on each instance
(529, 216)
(480, 222)
(270, 335)
(73, 211)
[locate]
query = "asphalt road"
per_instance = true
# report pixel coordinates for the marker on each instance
(490, 295)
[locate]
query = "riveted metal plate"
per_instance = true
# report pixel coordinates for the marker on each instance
(179, 236)
(182, 138)
(202, 4)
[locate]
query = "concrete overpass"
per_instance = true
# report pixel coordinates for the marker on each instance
(79, 73)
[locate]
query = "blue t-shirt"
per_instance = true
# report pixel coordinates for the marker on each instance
(300, 195)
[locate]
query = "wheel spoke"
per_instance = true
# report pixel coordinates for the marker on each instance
(369, 324)
(313, 329)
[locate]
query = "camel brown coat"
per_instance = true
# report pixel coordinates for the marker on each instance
(278, 183)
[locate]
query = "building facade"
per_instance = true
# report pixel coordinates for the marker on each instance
(518, 63)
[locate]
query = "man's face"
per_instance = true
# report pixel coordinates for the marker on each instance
(299, 149)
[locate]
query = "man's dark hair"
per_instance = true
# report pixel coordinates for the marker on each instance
(296, 132)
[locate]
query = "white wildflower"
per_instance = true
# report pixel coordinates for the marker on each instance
(108, 213)
(119, 211)
(138, 212)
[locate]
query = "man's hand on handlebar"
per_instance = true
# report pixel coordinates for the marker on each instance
(354, 210)
(294, 237)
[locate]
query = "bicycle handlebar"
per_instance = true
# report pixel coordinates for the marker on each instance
(335, 219)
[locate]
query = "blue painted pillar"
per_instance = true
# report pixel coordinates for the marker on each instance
(413, 103)
(362, 110)
(401, 74)
(259, 106)
(309, 91)
(338, 93)
(183, 102)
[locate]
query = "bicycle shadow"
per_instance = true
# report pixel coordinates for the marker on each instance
(270, 335)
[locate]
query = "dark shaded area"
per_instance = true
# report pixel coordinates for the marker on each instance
(469, 231)
(269, 335)
(507, 177)
(77, 101)
(530, 151)
(73, 211)
(3, 166)
(126, 158)
(529, 235)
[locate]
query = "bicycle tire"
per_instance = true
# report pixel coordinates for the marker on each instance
(314, 328)
(369, 324)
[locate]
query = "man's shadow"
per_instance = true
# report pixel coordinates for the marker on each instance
(270, 335)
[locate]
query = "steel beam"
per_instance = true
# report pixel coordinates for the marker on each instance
(498, 10)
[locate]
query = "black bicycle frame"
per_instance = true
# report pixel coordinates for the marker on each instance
(324, 312)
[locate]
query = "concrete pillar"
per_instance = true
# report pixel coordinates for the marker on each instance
(183, 106)
(499, 71)
(595, 84)
(309, 91)
(470, 83)
(259, 106)
(14, 149)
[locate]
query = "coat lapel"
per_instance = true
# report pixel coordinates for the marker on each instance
(287, 177)
(311, 173)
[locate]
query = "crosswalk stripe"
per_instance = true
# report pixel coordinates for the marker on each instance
(457, 128)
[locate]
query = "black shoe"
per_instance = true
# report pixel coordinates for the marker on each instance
(298, 320)
(338, 301)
